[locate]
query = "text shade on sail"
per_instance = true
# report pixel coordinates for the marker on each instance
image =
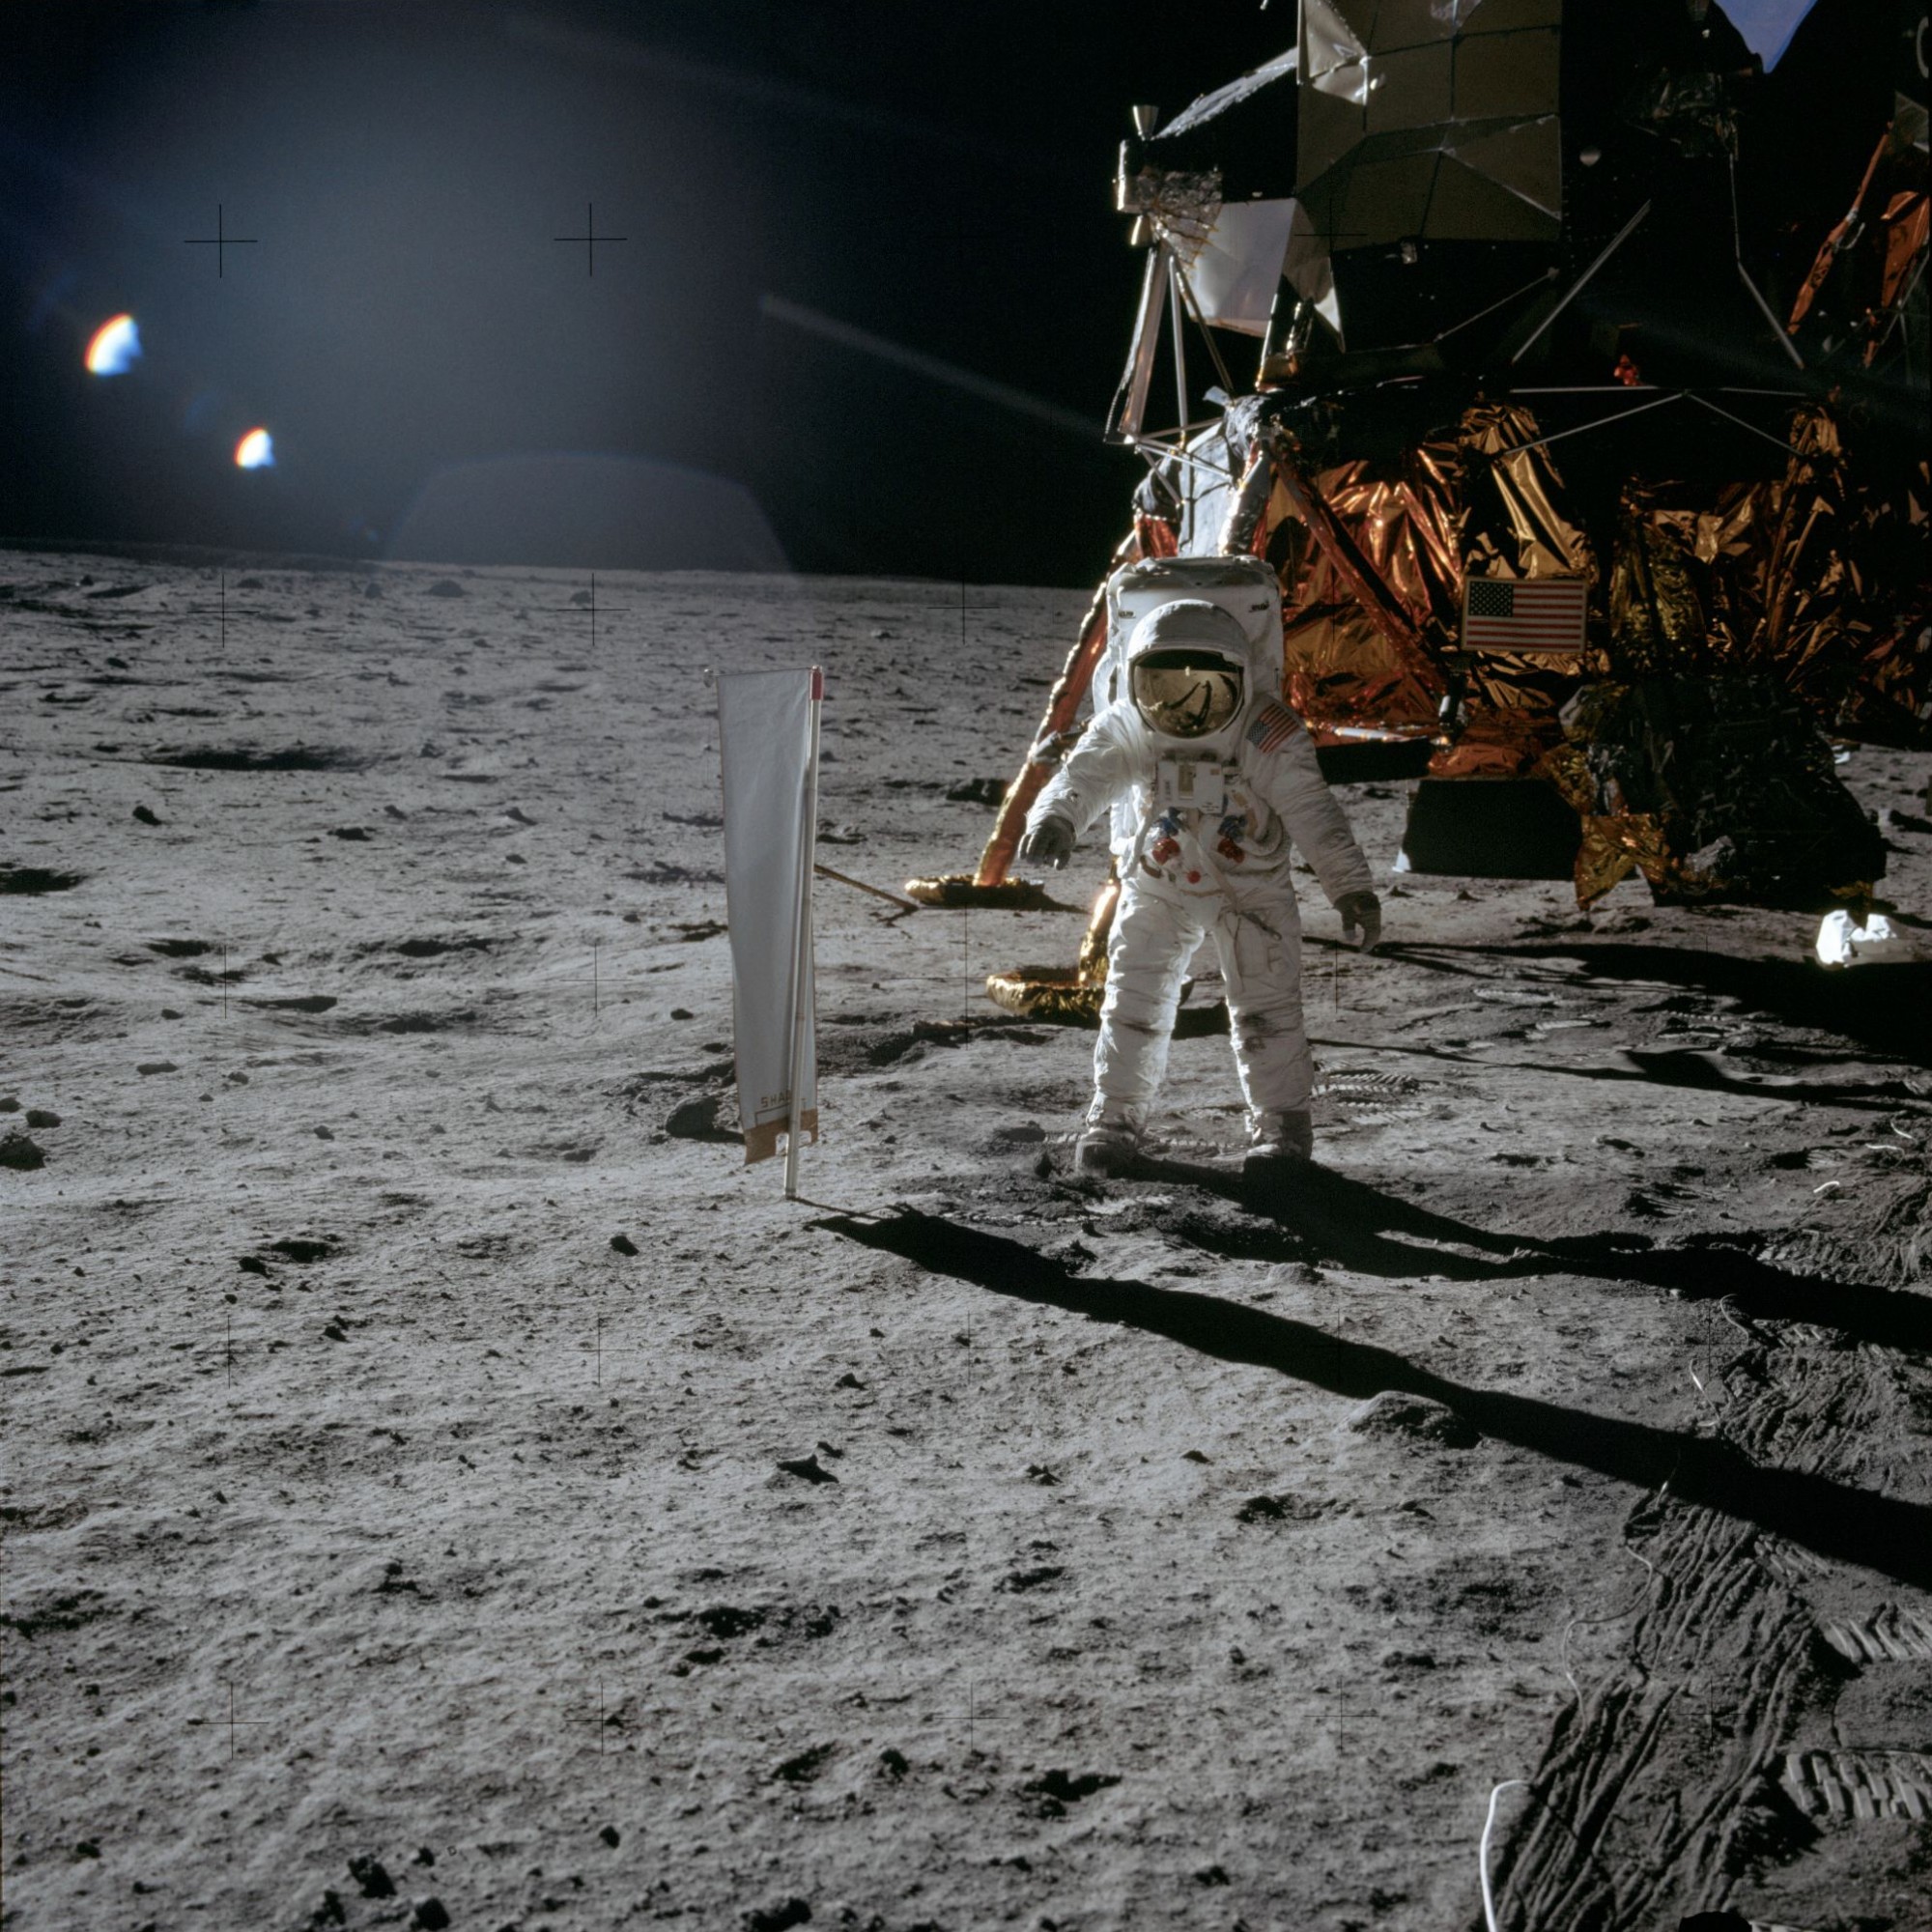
(255, 451)
(115, 346)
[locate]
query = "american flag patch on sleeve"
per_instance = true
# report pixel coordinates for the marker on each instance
(1273, 727)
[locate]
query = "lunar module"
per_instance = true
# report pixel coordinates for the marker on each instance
(1579, 447)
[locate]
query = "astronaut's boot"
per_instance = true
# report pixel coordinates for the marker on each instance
(1280, 1145)
(1110, 1141)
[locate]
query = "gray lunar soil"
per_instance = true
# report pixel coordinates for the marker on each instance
(443, 1486)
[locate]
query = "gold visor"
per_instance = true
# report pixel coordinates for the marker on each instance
(1187, 694)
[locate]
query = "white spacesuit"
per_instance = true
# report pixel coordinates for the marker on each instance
(1213, 782)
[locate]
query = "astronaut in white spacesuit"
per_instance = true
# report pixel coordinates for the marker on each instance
(1211, 782)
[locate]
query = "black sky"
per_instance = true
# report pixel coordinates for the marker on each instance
(934, 177)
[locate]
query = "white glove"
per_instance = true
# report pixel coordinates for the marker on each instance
(1049, 844)
(1365, 911)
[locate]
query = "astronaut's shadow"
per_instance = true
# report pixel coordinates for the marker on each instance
(1320, 1215)
(1836, 1519)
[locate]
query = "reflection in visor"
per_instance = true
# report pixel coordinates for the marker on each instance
(1186, 695)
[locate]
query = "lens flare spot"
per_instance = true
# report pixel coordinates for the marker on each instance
(115, 346)
(255, 451)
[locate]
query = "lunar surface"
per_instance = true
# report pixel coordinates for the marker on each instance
(443, 1486)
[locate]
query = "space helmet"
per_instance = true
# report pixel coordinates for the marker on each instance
(1187, 670)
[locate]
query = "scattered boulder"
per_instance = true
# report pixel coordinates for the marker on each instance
(779, 1917)
(369, 1875)
(303, 1251)
(431, 1914)
(20, 1151)
(622, 1244)
(143, 816)
(1396, 1414)
(1054, 1791)
(609, 1836)
(1030, 1579)
(805, 1766)
(727, 1620)
(36, 879)
(446, 586)
(697, 1121)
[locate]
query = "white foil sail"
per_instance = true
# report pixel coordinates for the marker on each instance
(768, 745)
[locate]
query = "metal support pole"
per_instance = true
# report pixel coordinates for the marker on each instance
(1180, 340)
(800, 957)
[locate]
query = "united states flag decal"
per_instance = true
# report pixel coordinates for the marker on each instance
(1501, 615)
(1273, 727)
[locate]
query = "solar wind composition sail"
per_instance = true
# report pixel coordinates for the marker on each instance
(768, 749)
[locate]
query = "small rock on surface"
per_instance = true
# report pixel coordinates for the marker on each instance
(611, 1836)
(18, 1150)
(1393, 1414)
(143, 816)
(976, 791)
(431, 1914)
(1055, 1790)
(369, 1874)
(446, 586)
(779, 1917)
(622, 1244)
(41, 1117)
